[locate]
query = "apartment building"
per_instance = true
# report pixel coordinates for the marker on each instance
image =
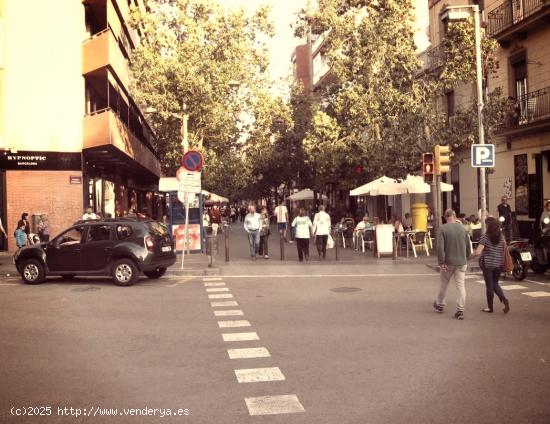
(70, 133)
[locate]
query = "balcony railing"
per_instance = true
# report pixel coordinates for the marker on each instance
(528, 109)
(512, 12)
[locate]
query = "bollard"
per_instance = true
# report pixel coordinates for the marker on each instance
(336, 244)
(282, 245)
(226, 235)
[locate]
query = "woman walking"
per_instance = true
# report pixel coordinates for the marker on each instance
(491, 248)
(264, 234)
(303, 228)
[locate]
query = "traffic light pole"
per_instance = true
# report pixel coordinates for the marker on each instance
(436, 186)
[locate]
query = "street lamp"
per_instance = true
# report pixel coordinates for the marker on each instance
(454, 13)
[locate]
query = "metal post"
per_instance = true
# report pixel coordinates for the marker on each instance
(336, 243)
(185, 138)
(481, 136)
(185, 243)
(226, 235)
(282, 245)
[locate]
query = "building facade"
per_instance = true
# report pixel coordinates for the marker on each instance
(71, 135)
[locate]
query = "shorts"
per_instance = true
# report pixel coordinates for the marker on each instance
(281, 226)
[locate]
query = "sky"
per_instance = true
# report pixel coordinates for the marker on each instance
(283, 43)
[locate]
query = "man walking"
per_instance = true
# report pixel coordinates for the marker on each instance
(253, 225)
(453, 250)
(505, 212)
(321, 229)
(281, 212)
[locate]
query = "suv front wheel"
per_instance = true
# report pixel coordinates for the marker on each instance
(125, 272)
(32, 272)
(156, 273)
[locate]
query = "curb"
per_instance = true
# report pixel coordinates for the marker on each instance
(193, 272)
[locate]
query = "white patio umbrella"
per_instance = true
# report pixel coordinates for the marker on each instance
(305, 194)
(418, 186)
(413, 184)
(366, 189)
(215, 197)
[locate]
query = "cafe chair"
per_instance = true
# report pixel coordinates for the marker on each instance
(367, 238)
(420, 240)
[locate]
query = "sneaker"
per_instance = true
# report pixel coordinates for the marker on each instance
(459, 315)
(291, 241)
(438, 308)
(266, 257)
(506, 306)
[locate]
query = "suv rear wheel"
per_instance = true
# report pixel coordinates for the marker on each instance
(32, 272)
(156, 273)
(125, 272)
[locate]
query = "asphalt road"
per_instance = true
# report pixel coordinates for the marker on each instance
(341, 350)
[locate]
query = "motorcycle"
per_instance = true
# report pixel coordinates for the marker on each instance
(541, 259)
(521, 256)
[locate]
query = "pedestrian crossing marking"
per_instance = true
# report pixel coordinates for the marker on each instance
(233, 324)
(228, 313)
(240, 337)
(537, 294)
(480, 281)
(217, 289)
(220, 296)
(272, 405)
(257, 375)
(214, 284)
(513, 287)
(212, 279)
(248, 353)
(224, 303)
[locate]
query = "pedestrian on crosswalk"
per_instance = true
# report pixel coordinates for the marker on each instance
(252, 226)
(491, 249)
(303, 229)
(453, 250)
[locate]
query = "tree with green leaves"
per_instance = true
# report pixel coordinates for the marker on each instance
(197, 55)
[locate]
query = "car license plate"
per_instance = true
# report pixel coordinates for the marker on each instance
(166, 248)
(525, 256)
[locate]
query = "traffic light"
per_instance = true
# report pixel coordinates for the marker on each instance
(442, 159)
(428, 167)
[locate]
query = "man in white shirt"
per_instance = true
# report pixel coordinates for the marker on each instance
(89, 214)
(252, 225)
(281, 212)
(321, 229)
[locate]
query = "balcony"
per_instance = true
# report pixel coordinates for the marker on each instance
(101, 51)
(516, 17)
(527, 114)
(105, 132)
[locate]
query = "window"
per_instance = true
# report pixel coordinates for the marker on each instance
(123, 231)
(70, 237)
(99, 233)
(519, 85)
(450, 103)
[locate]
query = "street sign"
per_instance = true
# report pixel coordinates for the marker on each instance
(483, 155)
(190, 182)
(192, 160)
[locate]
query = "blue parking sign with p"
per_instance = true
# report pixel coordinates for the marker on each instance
(483, 155)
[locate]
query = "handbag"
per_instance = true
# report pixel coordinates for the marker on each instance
(330, 242)
(508, 263)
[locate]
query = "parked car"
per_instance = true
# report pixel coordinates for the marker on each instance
(119, 247)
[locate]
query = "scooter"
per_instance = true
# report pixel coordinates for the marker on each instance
(541, 259)
(521, 256)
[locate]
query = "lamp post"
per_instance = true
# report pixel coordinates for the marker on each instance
(460, 13)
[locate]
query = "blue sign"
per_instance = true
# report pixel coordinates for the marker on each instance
(192, 161)
(483, 155)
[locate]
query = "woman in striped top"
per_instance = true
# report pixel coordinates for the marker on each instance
(491, 248)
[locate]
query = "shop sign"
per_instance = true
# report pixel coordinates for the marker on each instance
(75, 179)
(43, 161)
(193, 236)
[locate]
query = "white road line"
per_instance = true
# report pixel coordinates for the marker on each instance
(9, 284)
(214, 284)
(225, 303)
(220, 296)
(248, 353)
(233, 324)
(468, 277)
(537, 282)
(266, 276)
(217, 289)
(212, 279)
(239, 337)
(228, 313)
(480, 281)
(537, 294)
(256, 375)
(272, 405)
(513, 287)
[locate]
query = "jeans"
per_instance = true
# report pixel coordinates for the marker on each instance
(491, 276)
(303, 248)
(263, 250)
(507, 232)
(321, 243)
(459, 274)
(254, 241)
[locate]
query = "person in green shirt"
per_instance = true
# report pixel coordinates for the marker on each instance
(453, 250)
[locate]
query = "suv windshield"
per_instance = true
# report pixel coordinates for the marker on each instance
(157, 228)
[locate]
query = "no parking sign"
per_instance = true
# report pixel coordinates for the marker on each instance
(192, 160)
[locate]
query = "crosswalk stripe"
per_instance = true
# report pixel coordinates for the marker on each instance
(214, 284)
(257, 375)
(513, 287)
(537, 294)
(220, 296)
(240, 337)
(224, 303)
(217, 289)
(248, 353)
(480, 281)
(233, 324)
(212, 279)
(228, 313)
(272, 405)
